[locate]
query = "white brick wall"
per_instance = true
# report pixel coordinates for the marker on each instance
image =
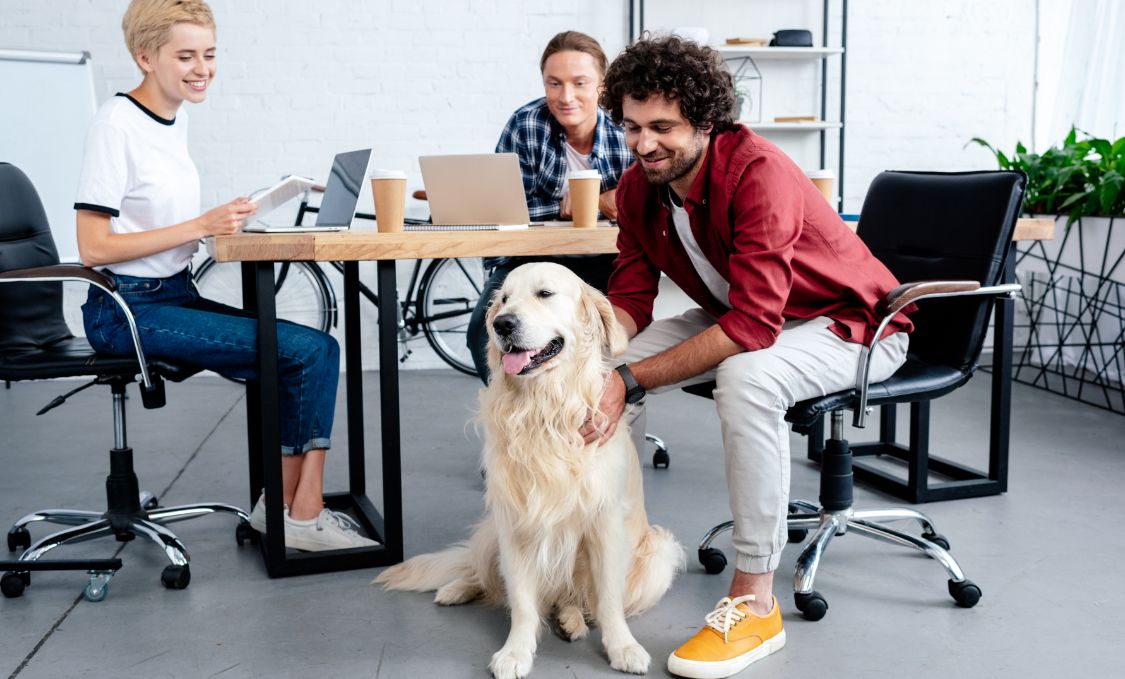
(924, 78)
(299, 81)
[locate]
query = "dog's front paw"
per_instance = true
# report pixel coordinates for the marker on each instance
(460, 591)
(573, 623)
(511, 663)
(632, 658)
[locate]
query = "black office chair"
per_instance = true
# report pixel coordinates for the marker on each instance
(944, 235)
(36, 344)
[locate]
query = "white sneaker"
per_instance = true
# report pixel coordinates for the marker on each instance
(330, 530)
(258, 514)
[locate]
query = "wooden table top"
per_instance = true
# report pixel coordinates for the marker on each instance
(368, 245)
(1034, 228)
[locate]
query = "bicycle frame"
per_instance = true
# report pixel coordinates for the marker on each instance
(404, 304)
(410, 319)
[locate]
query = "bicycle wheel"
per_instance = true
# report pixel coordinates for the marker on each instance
(304, 293)
(447, 296)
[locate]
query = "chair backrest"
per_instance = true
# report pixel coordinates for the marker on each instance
(31, 314)
(953, 226)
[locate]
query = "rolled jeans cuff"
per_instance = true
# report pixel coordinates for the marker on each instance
(758, 564)
(314, 444)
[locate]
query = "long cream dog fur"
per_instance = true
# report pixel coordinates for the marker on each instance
(565, 530)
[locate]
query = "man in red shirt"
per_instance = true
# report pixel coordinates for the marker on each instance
(786, 294)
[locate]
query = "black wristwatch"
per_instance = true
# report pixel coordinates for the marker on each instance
(633, 391)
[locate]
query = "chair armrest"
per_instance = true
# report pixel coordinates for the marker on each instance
(60, 272)
(82, 274)
(898, 299)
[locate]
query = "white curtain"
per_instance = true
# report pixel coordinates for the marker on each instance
(1090, 90)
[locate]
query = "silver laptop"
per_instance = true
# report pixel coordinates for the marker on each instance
(341, 195)
(474, 191)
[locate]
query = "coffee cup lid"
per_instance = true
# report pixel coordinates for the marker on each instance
(386, 174)
(584, 174)
(820, 174)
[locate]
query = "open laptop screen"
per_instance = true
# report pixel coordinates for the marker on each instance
(475, 189)
(341, 194)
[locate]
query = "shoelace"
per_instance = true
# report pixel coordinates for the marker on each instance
(726, 614)
(337, 519)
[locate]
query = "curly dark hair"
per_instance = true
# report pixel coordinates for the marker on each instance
(680, 69)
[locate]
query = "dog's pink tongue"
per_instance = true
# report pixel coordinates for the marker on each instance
(515, 361)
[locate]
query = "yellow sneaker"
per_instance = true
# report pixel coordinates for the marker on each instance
(732, 639)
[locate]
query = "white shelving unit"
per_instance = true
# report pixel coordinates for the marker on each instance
(798, 77)
(810, 126)
(743, 63)
(733, 51)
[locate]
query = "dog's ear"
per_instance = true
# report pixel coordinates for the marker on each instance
(492, 352)
(601, 312)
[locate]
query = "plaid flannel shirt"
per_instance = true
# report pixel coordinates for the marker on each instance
(535, 136)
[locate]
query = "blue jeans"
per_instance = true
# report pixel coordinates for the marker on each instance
(175, 323)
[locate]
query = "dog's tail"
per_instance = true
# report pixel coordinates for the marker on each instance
(657, 560)
(428, 572)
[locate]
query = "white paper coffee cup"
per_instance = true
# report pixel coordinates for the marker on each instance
(825, 181)
(388, 188)
(585, 189)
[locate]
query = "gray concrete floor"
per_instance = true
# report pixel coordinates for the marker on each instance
(1053, 591)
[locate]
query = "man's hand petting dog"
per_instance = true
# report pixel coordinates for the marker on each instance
(599, 426)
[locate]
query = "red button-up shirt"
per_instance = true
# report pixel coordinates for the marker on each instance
(767, 230)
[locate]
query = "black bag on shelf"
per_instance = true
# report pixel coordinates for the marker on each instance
(792, 37)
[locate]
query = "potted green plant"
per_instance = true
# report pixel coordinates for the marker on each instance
(1072, 328)
(1079, 178)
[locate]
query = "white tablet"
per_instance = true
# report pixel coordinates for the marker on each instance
(280, 193)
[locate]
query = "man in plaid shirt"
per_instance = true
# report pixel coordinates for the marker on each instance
(554, 135)
(540, 141)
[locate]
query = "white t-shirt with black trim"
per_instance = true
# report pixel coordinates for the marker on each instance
(137, 170)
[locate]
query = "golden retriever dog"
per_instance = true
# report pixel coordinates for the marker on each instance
(565, 530)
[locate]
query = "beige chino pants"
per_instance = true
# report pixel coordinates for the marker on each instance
(753, 391)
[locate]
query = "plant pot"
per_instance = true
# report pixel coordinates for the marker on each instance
(1070, 326)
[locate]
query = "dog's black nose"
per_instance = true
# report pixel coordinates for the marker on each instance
(505, 324)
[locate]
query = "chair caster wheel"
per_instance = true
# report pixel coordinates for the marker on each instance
(713, 560)
(798, 535)
(811, 604)
(13, 584)
(661, 459)
(938, 539)
(98, 587)
(151, 503)
(95, 594)
(19, 539)
(243, 534)
(965, 593)
(176, 577)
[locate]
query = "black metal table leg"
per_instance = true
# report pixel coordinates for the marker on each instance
(389, 408)
(264, 444)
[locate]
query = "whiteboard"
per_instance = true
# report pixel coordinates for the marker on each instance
(49, 103)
